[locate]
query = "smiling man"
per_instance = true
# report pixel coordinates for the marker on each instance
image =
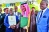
(42, 19)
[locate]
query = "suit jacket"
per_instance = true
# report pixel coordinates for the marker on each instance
(17, 14)
(7, 24)
(2, 26)
(42, 23)
(1, 20)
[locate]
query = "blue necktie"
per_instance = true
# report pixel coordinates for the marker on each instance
(41, 14)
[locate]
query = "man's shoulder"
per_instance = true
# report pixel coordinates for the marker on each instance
(19, 12)
(38, 12)
(48, 12)
(2, 14)
(47, 9)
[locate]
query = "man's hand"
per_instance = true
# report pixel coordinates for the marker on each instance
(12, 26)
(17, 25)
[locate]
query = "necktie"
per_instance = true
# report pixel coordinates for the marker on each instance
(41, 14)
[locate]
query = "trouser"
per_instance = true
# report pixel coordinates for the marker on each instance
(2, 29)
(32, 29)
(23, 30)
(17, 29)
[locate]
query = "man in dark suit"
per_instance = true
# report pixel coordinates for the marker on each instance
(16, 12)
(2, 29)
(5, 14)
(19, 15)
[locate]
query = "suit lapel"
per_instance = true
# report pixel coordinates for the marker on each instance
(37, 18)
(43, 14)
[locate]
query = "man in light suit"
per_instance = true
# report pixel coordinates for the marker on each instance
(42, 18)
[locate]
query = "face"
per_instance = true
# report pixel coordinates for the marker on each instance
(23, 8)
(16, 8)
(43, 5)
(33, 9)
(11, 11)
(6, 11)
(0, 10)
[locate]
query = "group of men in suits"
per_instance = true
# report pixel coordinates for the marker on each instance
(3, 15)
(42, 18)
(25, 13)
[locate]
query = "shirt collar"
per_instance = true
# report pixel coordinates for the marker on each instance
(0, 14)
(44, 10)
(15, 12)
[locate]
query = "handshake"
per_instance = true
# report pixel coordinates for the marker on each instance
(14, 26)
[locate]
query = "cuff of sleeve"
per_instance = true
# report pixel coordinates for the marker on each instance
(9, 27)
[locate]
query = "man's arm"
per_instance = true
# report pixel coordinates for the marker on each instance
(6, 22)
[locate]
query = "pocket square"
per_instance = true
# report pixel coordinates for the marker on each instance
(44, 16)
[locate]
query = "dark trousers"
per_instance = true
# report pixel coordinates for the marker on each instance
(23, 30)
(32, 29)
(17, 29)
(2, 29)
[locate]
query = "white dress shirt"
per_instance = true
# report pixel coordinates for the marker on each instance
(24, 14)
(43, 12)
(16, 13)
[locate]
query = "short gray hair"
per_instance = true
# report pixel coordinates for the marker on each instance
(45, 1)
